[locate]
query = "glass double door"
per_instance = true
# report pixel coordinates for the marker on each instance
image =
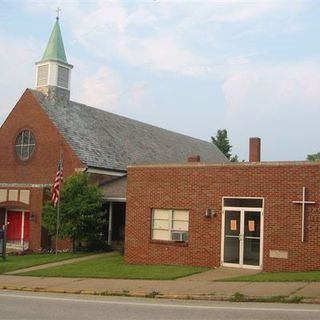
(242, 238)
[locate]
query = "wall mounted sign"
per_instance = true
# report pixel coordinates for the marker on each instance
(251, 225)
(233, 225)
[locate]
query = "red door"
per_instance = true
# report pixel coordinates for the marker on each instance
(14, 226)
(14, 221)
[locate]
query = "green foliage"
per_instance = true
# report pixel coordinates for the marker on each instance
(221, 140)
(314, 157)
(234, 158)
(25, 261)
(279, 277)
(238, 297)
(112, 266)
(80, 210)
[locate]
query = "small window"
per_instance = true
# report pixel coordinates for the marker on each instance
(25, 144)
(170, 225)
(243, 202)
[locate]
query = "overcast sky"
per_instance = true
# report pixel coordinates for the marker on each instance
(252, 67)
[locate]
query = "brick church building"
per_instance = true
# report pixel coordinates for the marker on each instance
(258, 215)
(45, 121)
(205, 212)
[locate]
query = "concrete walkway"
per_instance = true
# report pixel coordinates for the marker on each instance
(200, 286)
(217, 274)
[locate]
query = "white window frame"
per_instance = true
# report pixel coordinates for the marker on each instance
(29, 147)
(170, 229)
(242, 209)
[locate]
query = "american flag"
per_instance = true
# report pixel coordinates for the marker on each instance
(57, 183)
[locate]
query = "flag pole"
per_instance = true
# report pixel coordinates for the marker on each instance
(58, 224)
(58, 204)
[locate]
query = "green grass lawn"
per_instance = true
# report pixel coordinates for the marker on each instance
(279, 277)
(24, 261)
(113, 267)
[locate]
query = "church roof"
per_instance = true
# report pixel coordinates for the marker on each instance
(108, 141)
(55, 49)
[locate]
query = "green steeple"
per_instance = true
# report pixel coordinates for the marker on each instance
(55, 49)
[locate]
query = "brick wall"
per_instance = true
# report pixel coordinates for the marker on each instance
(41, 168)
(198, 186)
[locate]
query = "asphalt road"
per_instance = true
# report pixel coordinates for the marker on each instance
(25, 305)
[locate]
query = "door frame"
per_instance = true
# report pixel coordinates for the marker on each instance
(23, 242)
(241, 211)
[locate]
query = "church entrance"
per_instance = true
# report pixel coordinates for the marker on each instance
(17, 223)
(242, 229)
(116, 224)
(113, 225)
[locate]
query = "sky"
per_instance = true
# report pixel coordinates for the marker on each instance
(251, 67)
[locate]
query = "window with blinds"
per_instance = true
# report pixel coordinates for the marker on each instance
(170, 224)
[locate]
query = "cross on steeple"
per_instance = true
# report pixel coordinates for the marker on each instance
(53, 70)
(58, 12)
(303, 202)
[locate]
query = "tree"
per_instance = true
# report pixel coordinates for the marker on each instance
(221, 140)
(80, 210)
(234, 158)
(314, 157)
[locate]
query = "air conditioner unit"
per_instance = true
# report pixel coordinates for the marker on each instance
(179, 236)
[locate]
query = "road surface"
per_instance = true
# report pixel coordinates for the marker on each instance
(24, 305)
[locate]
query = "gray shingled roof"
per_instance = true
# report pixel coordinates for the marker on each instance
(108, 141)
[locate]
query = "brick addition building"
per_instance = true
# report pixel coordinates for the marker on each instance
(260, 215)
(45, 122)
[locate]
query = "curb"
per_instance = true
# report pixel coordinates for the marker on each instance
(158, 295)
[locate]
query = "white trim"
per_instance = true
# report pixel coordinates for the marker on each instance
(261, 235)
(260, 198)
(115, 199)
(106, 172)
(233, 197)
(110, 224)
(6, 217)
(240, 208)
(222, 235)
(22, 228)
(242, 211)
(24, 185)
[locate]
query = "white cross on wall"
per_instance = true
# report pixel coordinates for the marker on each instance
(303, 202)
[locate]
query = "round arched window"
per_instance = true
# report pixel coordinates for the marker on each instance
(25, 144)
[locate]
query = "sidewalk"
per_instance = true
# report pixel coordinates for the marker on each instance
(200, 286)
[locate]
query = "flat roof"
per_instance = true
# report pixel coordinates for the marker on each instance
(228, 164)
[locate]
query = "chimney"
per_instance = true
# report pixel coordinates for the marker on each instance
(255, 150)
(194, 158)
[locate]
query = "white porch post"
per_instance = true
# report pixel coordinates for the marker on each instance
(110, 224)
(22, 230)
